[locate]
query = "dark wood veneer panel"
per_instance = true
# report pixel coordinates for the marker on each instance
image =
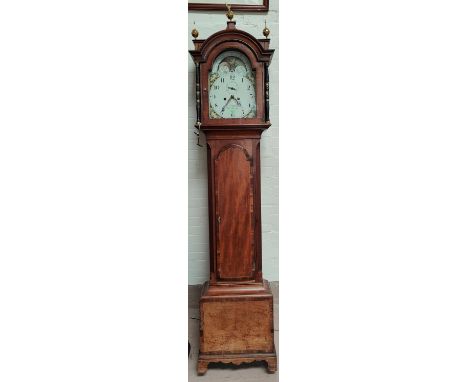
(234, 213)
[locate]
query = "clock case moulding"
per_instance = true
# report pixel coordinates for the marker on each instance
(236, 306)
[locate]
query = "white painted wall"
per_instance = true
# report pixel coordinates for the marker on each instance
(198, 241)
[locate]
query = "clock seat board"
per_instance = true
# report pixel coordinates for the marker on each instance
(236, 306)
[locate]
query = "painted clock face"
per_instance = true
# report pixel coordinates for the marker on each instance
(232, 87)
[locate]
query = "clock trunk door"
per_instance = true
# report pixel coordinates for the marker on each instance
(234, 214)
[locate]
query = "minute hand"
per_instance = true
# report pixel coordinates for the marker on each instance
(231, 97)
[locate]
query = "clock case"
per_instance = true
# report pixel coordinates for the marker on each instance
(236, 305)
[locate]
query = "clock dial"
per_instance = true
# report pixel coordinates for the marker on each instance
(232, 87)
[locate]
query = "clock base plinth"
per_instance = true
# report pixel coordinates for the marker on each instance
(236, 325)
(237, 359)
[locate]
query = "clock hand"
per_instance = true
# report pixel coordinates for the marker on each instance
(237, 101)
(227, 103)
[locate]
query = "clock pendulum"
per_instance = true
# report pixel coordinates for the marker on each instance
(232, 102)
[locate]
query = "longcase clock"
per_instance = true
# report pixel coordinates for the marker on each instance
(236, 306)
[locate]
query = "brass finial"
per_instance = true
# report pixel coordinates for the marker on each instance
(230, 13)
(194, 31)
(266, 31)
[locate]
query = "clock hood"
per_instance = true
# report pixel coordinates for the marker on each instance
(225, 38)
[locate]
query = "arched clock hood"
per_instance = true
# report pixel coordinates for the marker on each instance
(259, 54)
(223, 39)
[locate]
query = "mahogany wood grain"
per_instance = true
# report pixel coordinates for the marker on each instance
(234, 213)
(237, 326)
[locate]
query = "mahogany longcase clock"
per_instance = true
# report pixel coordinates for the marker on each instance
(236, 306)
